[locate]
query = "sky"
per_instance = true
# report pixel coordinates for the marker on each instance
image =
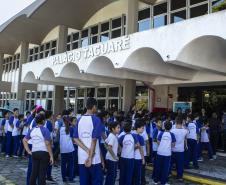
(9, 8)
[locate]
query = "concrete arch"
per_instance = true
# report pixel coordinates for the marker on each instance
(206, 52)
(101, 66)
(29, 77)
(70, 70)
(47, 74)
(148, 60)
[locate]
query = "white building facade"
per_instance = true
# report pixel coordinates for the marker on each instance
(57, 54)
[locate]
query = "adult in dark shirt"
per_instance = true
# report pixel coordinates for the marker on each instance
(215, 128)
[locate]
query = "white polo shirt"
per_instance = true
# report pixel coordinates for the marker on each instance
(205, 136)
(112, 140)
(66, 144)
(165, 147)
(192, 131)
(88, 127)
(180, 135)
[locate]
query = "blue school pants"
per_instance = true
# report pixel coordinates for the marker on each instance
(207, 146)
(154, 154)
(3, 146)
(8, 143)
(16, 143)
(92, 175)
(29, 167)
(49, 171)
(137, 172)
(162, 168)
(126, 171)
(192, 153)
(21, 146)
(67, 165)
(178, 159)
(111, 172)
(75, 161)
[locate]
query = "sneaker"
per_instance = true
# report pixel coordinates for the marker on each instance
(15, 156)
(7, 156)
(200, 159)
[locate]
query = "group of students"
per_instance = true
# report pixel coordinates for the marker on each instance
(98, 143)
(13, 129)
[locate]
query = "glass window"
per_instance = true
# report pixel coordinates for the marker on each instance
(90, 92)
(192, 2)
(113, 104)
(68, 38)
(32, 103)
(101, 104)
(54, 44)
(75, 45)
(53, 52)
(75, 36)
(42, 48)
(41, 56)
(31, 51)
(85, 42)
(85, 33)
(142, 103)
(199, 10)
(101, 92)
(178, 16)
(104, 37)
(49, 104)
(94, 39)
(47, 45)
(27, 95)
(144, 14)
(38, 95)
(116, 33)
(105, 27)
(160, 21)
(80, 106)
(177, 4)
(68, 47)
(36, 50)
(50, 94)
(218, 5)
(160, 9)
(144, 25)
(27, 105)
(65, 93)
(72, 93)
(44, 94)
(141, 91)
(94, 30)
(33, 95)
(113, 92)
(81, 92)
(116, 23)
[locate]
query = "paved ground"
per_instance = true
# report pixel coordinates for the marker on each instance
(13, 172)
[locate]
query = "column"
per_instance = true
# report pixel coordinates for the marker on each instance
(132, 16)
(23, 59)
(59, 90)
(129, 94)
(1, 65)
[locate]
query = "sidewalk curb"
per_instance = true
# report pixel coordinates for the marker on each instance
(194, 178)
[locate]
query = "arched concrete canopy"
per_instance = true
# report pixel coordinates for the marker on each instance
(35, 21)
(206, 52)
(70, 70)
(47, 74)
(29, 78)
(148, 60)
(103, 66)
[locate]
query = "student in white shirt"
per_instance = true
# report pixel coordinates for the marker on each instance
(180, 146)
(166, 141)
(139, 152)
(192, 140)
(10, 132)
(66, 150)
(111, 156)
(41, 150)
(87, 134)
(128, 142)
(205, 141)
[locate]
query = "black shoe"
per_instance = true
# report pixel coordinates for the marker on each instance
(50, 179)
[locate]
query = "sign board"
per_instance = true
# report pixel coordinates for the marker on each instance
(182, 105)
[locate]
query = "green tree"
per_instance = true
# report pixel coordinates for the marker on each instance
(219, 5)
